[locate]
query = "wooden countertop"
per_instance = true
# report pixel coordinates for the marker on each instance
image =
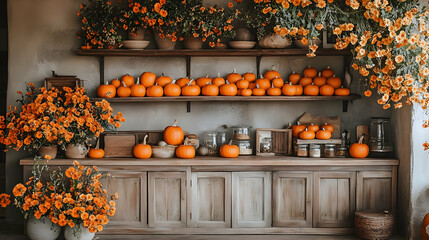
(218, 161)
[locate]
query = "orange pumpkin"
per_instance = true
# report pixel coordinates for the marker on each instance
(299, 90)
(185, 151)
(147, 79)
(245, 92)
(311, 90)
(277, 82)
(342, 91)
(249, 77)
(173, 134)
(309, 72)
(191, 90)
(183, 82)
(229, 150)
(334, 81)
(123, 91)
(142, 150)
(263, 83)
(323, 134)
(328, 127)
(163, 80)
(210, 90)
(128, 80)
(202, 81)
(319, 80)
(307, 135)
(359, 149)
(425, 223)
(305, 81)
(258, 91)
(242, 84)
(106, 91)
(172, 90)
(96, 153)
(218, 81)
(327, 90)
(294, 78)
(233, 77)
(296, 129)
(115, 82)
(289, 89)
(228, 89)
(138, 90)
(155, 91)
(271, 74)
(252, 85)
(313, 128)
(327, 72)
(274, 91)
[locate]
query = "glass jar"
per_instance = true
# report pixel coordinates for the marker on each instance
(329, 151)
(244, 146)
(265, 146)
(302, 150)
(210, 141)
(241, 132)
(315, 151)
(341, 152)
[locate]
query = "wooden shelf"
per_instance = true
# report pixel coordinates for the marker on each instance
(208, 52)
(230, 99)
(219, 161)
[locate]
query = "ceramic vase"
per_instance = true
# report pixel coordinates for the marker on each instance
(47, 150)
(79, 232)
(42, 229)
(138, 36)
(192, 43)
(164, 43)
(76, 151)
(274, 41)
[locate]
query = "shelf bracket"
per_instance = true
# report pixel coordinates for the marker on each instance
(188, 66)
(345, 105)
(101, 67)
(188, 106)
(258, 66)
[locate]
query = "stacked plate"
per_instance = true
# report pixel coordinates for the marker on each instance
(135, 44)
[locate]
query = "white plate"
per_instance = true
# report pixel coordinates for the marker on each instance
(242, 44)
(135, 44)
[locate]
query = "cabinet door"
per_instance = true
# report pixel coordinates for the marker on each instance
(375, 190)
(251, 199)
(292, 199)
(211, 199)
(334, 199)
(167, 199)
(131, 205)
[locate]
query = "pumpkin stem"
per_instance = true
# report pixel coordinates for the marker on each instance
(361, 138)
(175, 123)
(144, 139)
(257, 85)
(273, 67)
(230, 142)
(138, 81)
(107, 83)
(162, 74)
(272, 85)
(298, 123)
(207, 75)
(189, 83)
(234, 70)
(123, 83)
(320, 74)
(218, 74)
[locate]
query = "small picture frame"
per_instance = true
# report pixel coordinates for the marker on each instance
(280, 140)
(329, 39)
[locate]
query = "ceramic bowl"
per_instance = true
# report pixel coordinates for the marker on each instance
(242, 44)
(163, 151)
(299, 43)
(135, 44)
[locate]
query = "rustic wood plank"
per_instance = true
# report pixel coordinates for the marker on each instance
(375, 190)
(229, 237)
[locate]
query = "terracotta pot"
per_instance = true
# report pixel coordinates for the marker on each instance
(274, 41)
(139, 35)
(243, 34)
(79, 232)
(42, 229)
(48, 150)
(163, 43)
(76, 151)
(192, 43)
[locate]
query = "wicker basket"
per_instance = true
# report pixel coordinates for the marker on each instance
(370, 224)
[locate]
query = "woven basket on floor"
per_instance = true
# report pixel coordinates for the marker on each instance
(370, 224)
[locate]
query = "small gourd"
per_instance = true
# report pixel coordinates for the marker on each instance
(242, 84)
(249, 77)
(327, 90)
(271, 74)
(327, 72)
(127, 80)
(163, 80)
(106, 91)
(210, 90)
(96, 152)
(311, 90)
(309, 72)
(228, 89)
(359, 149)
(334, 81)
(191, 90)
(323, 134)
(233, 77)
(172, 90)
(202, 81)
(277, 82)
(294, 78)
(138, 90)
(342, 91)
(173, 135)
(289, 89)
(185, 151)
(307, 135)
(229, 150)
(297, 129)
(147, 79)
(319, 80)
(274, 91)
(263, 83)
(142, 150)
(258, 91)
(123, 91)
(155, 91)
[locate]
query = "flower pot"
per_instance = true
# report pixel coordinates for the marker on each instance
(138, 36)
(274, 41)
(243, 34)
(47, 150)
(164, 43)
(42, 229)
(192, 43)
(76, 151)
(79, 232)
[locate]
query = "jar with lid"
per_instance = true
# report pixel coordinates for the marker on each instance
(302, 150)
(329, 151)
(265, 145)
(341, 152)
(244, 146)
(241, 132)
(315, 151)
(210, 141)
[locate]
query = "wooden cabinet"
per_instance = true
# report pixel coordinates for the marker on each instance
(167, 199)
(334, 199)
(211, 199)
(251, 199)
(132, 204)
(375, 190)
(292, 199)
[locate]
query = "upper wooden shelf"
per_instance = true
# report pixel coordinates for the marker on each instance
(208, 52)
(229, 99)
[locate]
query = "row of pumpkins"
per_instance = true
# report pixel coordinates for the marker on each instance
(311, 83)
(312, 131)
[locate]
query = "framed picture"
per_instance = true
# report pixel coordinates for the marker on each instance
(329, 39)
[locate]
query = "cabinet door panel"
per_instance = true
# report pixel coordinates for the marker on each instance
(251, 199)
(334, 199)
(167, 199)
(211, 199)
(292, 199)
(374, 190)
(131, 205)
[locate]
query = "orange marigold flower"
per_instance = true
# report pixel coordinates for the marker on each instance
(4, 200)
(230, 4)
(19, 190)
(368, 93)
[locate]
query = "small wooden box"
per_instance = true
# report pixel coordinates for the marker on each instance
(60, 81)
(120, 144)
(281, 141)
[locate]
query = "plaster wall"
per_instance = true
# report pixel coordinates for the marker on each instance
(42, 37)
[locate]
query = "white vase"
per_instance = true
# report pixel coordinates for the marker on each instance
(79, 232)
(274, 41)
(47, 150)
(76, 151)
(42, 229)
